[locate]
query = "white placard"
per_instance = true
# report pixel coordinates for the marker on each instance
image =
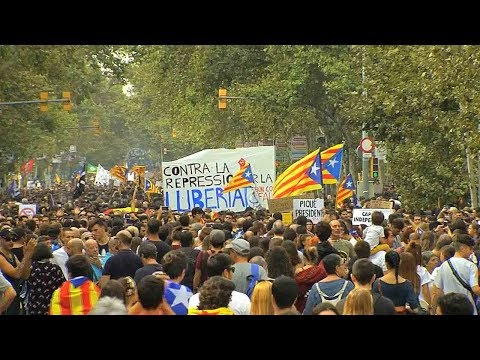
(311, 208)
(27, 209)
(199, 179)
(364, 216)
(103, 176)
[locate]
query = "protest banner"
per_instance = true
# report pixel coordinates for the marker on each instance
(198, 179)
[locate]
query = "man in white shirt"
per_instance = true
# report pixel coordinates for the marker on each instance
(221, 264)
(446, 281)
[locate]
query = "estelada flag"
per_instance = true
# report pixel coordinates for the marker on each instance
(28, 166)
(242, 178)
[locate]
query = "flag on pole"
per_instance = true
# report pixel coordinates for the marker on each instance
(332, 164)
(345, 190)
(309, 173)
(140, 170)
(81, 184)
(242, 178)
(91, 169)
(150, 187)
(102, 177)
(119, 172)
(27, 167)
(13, 190)
(301, 176)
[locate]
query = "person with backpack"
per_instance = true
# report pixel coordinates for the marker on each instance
(332, 288)
(245, 274)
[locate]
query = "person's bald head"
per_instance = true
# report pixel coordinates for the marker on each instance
(74, 247)
(278, 228)
(91, 247)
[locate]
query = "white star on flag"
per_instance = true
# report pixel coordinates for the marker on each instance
(314, 168)
(181, 296)
(349, 184)
(332, 162)
(247, 174)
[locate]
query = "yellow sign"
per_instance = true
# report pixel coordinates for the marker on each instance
(287, 218)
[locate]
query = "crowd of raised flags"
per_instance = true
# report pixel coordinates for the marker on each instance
(312, 172)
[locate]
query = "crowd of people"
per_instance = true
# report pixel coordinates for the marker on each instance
(93, 257)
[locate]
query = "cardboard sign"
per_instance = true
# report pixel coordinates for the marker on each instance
(380, 204)
(198, 180)
(364, 216)
(286, 204)
(27, 210)
(311, 208)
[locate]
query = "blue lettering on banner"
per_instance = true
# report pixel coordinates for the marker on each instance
(186, 199)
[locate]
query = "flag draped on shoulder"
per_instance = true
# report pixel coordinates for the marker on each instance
(80, 184)
(119, 172)
(303, 175)
(242, 178)
(345, 190)
(332, 164)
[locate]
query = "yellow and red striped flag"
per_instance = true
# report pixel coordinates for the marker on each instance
(74, 297)
(345, 190)
(308, 174)
(119, 171)
(242, 178)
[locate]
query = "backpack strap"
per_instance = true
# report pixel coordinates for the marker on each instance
(379, 287)
(339, 292)
(253, 278)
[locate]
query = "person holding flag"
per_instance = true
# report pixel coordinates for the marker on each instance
(80, 184)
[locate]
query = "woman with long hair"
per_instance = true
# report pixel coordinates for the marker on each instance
(394, 286)
(359, 301)
(425, 277)
(308, 275)
(262, 299)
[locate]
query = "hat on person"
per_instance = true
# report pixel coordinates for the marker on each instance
(8, 234)
(217, 237)
(240, 246)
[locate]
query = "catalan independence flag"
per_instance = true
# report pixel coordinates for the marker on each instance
(120, 172)
(345, 190)
(150, 187)
(310, 172)
(75, 297)
(242, 178)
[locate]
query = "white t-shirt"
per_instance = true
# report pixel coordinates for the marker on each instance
(447, 282)
(372, 235)
(379, 259)
(239, 304)
(425, 278)
(60, 258)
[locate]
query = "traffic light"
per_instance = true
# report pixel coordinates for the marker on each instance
(222, 101)
(374, 170)
(165, 150)
(67, 106)
(43, 96)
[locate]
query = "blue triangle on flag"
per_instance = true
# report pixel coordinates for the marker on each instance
(315, 170)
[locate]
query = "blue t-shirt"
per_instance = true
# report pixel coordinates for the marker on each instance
(177, 297)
